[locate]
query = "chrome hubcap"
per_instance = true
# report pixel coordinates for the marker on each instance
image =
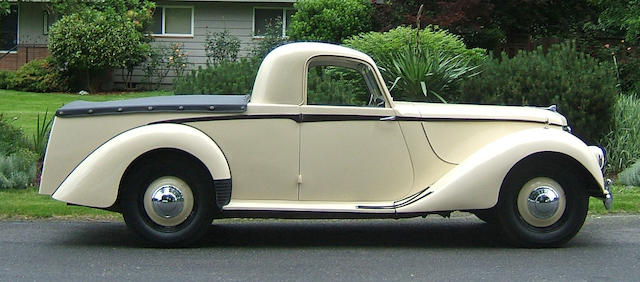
(168, 201)
(541, 202)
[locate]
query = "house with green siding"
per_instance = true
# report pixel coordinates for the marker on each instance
(24, 31)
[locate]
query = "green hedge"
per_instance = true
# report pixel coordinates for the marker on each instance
(225, 78)
(583, 88)
(40, 75)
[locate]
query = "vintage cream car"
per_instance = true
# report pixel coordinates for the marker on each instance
(320, 137)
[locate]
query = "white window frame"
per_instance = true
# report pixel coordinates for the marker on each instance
(284, 20)
(164, 13)
(45, 22)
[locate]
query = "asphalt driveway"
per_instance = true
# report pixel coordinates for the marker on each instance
(460, 248)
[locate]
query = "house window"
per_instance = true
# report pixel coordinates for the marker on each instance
(262, 17)
(9, 29)
(173, 21)
(47, 21)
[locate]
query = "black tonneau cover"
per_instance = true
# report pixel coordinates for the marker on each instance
(179, 103)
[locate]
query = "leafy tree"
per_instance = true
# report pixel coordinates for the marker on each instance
(330, 20)
(488, 23)
(622, 16)
(140, 12)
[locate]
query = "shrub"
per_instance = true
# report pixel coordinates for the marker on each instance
(623, 141)
(221, 46)
(17, 170)
(377, 44)
(631, 175)
(91, 42)
(40, 75)
(11, 138)
(225, 78)
(422, 75)
(439, 59)
(330, 20)
(6, 79)
(17, 162)
(162, 60)
(583, 88)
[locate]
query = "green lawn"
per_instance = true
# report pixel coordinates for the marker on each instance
(626, 199)
(23, 107)
(28, 204)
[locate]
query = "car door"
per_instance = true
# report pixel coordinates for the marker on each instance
(351, 148)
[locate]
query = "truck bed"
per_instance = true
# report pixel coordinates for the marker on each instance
(181, 103)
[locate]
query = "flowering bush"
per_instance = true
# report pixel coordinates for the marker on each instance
(164, 59)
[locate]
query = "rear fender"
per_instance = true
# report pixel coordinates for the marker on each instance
(95, 181)
(476, 182)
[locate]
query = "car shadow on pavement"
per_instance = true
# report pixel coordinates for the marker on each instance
(428, 233)
(355, 233)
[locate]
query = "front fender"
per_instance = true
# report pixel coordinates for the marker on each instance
(475, 183)
(94, 182)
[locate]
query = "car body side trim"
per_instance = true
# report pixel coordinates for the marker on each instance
(300, 118)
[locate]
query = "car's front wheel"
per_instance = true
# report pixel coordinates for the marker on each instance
(542, 205)
(168, 202)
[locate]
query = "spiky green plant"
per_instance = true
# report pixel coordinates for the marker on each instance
(418, 74)
(623, 141)
(41, 136)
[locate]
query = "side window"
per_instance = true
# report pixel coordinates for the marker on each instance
(173, 21)
(341, 82)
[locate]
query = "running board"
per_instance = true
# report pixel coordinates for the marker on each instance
(322, 206)
(401, 203)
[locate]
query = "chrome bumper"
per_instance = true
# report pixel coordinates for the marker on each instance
(608, 197)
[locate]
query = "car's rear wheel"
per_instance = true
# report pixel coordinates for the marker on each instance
(542, 205)
(169, 202)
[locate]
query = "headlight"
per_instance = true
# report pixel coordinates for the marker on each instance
(600, 155)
